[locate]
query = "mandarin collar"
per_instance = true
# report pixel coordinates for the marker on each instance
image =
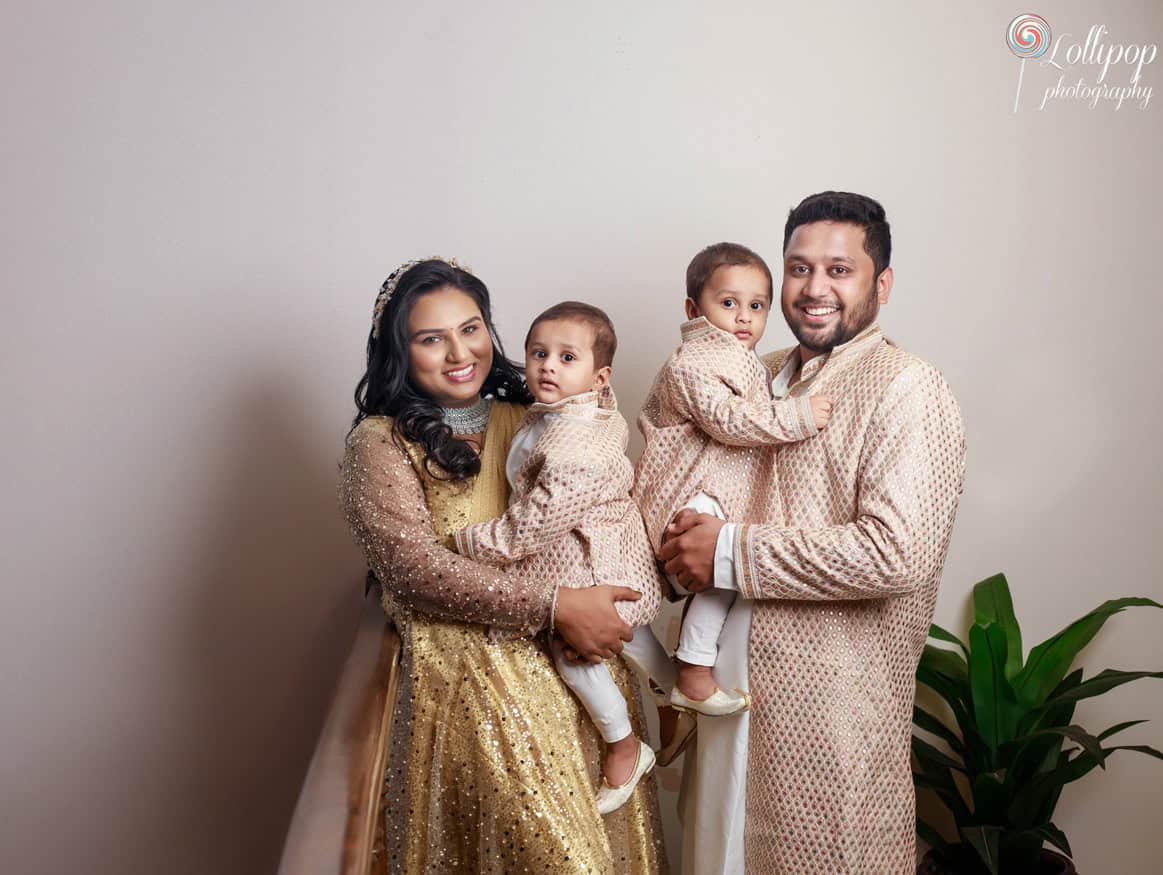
(599, 399)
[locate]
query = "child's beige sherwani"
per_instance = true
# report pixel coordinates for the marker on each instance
(570, 518)
(706, 421)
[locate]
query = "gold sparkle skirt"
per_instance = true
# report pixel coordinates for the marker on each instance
(494, 765)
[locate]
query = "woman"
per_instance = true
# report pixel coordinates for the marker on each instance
(492, 765)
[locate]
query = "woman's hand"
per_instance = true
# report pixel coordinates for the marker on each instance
(588, 622)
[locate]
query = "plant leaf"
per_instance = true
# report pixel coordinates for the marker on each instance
(1035, 797)
(1050, 803)
(1059, 715)
(930, 834)
(995, 708)
(984, 839)
(929, 755)
(1069, 682)
(954, 694)
(1029, 803)
(1099, 684)
(957, 696)
(989, 799)
(946, 662)
(926, 721)
(941, 782)
(940, 634)
(1056, 837)
(1119, 727)
(992, 604)
(1050, 660)
(1039, 755)
(1075, 733)
(1141, 748)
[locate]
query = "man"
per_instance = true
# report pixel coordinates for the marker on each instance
(839, 588)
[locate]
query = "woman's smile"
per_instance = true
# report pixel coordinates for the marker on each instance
(462, 375)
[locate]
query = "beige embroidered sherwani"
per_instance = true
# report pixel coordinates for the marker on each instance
(705, 421)
(844, 585)
(570, 518)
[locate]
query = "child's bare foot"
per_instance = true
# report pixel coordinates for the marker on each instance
(621, 756)
(695, 681)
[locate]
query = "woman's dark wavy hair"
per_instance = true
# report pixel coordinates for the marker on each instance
(386, 390)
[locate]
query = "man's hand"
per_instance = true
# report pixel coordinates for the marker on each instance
(688, 551)
(587, 621)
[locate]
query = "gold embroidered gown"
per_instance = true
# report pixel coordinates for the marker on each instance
(493, 764)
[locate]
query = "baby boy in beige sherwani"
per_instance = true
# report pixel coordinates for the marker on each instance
(707, 421)
(570, 517)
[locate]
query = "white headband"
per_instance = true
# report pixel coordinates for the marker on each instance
(389, 286)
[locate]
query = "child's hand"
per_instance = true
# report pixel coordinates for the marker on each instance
(821, 409)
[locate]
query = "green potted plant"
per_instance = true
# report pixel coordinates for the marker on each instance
(1012, 743)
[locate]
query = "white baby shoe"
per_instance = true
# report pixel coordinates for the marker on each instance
(718, 704)
(612, 798)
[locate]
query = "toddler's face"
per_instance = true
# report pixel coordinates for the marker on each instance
(736, 299)
(559, 361)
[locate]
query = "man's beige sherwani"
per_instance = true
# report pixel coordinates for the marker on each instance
(570, 518)
(705, 420)
(843, 585)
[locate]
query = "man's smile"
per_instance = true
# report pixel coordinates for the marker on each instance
(818, 313)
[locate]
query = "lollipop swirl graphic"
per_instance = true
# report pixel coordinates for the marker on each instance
(1028, 36)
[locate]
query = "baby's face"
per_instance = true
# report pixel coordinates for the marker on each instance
(736, 299)
(559, 360)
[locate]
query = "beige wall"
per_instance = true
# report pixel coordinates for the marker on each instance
(201, 200)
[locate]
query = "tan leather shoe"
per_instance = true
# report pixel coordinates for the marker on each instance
(685, 729)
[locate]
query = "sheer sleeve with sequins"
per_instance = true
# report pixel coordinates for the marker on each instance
(911, 476)
(384, 504)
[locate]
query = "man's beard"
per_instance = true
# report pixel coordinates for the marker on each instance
(851, 322)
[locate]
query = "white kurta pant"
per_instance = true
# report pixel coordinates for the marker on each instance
(714, 810)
